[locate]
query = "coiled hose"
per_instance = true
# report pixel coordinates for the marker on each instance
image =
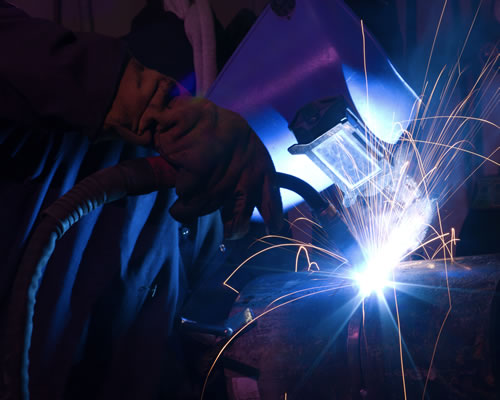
(132, 177)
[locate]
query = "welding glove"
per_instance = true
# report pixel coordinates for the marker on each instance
(219, 160)
(140, 88)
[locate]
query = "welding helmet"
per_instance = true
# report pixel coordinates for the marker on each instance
(285, 66)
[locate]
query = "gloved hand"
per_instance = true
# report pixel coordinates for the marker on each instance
(140, 88)
(220, 161)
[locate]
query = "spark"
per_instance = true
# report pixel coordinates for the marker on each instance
(308, 220)
(295, 243)
(309, 262)
(400, 340)
(445, 317)
(394, 214)
(365, 69)
(304, 290)
(238, 332)
(392, 219)
(475, 119)
(434, 41)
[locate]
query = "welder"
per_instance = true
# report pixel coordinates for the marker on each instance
(105, 305)
(124, 269)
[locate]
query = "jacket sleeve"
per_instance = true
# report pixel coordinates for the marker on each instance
(52, 77)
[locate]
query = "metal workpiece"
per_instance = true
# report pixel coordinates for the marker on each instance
(314, 337)
(285, 344)
(459, 327)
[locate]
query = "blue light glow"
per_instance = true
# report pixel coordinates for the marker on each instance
(390, 103)
(273, 130)
(371, 280)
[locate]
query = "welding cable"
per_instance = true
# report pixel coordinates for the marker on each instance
(328, 214)
(132, 177)
(320, 207)
(303, 189)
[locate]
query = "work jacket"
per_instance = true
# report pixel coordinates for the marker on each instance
(111, 291)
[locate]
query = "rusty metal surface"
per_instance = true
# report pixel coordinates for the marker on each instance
(326, 346)
(465, 351)
(286, 343)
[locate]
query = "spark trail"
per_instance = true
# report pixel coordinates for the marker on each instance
(397, 213)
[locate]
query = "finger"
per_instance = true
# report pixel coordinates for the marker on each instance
(203, 203)
(236, 215)
(216, 188)
(188, 211)
(214, 183)
(184, 112)
(184, 140)
(196, 151)
(187, 184)
(238, 209)
(132, 137)
(176, 123)
(270, 205)
(162, 94)
(166, 91)
(184, 212)
(159, 113)
(197, 197)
